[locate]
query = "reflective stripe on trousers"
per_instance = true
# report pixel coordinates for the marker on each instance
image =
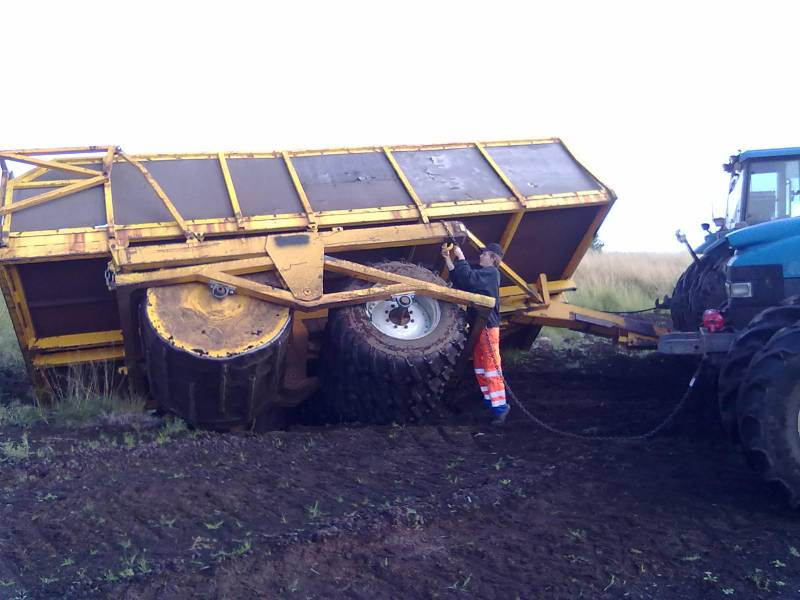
(488, 368)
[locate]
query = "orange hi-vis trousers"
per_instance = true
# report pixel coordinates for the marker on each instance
(486, 361)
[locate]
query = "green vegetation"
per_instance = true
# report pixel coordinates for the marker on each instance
(626, 281)
(89, 391)
(620, 281)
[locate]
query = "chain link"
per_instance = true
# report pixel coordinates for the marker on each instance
(602, 438)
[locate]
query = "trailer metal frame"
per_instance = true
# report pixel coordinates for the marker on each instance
(299, 245)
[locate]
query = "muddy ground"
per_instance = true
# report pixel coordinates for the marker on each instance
(145, 509)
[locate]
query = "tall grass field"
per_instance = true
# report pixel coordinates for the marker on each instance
(626, 281)
(620, 282)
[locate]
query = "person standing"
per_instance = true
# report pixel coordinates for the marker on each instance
(484, 279)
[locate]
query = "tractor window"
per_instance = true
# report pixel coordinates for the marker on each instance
(762, 195)
(773, 191)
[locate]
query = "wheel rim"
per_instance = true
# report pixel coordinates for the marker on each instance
(405, 317)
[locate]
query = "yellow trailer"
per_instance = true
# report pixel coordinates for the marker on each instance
(231, 283)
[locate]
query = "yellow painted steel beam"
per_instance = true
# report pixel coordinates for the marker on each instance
(7, 195)
(511, 229)
(25, 185)
(18, 312)
(313, 224)
(407, 184)
(394, 236)
(228, 274)
(297, 152)
(66, 150)
(568, 316)
(586, 241)
(506, 270)
(428, 289)
(108, 159)
(39, 245)
(82, 340)
(558, 286)
(501, 174)
(108, 200)
(188, 274)
(50, 164)
(188, 233)
(544, 289)
(234, 200)
(78, 186)
(516, 218)
(75, 357)
(512, 300)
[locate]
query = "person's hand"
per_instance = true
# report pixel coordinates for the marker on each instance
(459, 253)
(445, 251)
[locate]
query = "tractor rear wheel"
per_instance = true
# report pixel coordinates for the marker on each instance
(389, 363)
(769, 412)
(763, 326)
(701, 286)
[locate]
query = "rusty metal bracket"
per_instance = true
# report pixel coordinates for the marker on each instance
(299, 260)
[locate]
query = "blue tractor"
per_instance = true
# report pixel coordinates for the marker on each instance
(738, 305)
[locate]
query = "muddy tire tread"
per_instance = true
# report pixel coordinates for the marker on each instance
(366, 384)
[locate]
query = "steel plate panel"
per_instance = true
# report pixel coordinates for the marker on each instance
(546, 240)
(451, 174)
(68, 297)
(195, 186)
(82, 209)
(542, 169)
(263, 186)
(350, 181)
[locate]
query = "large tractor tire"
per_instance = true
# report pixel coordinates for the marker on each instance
(215, 362)
(752, 339)
(700, 287)
(769, 412)
(386, 364)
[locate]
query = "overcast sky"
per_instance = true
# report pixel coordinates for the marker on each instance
(652, 97)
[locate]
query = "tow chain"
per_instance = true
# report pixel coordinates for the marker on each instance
(605, 438)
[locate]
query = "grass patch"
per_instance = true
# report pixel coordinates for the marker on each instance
(18, 414)
(626, 281)
(13, 451)
(85, 392)
(620, 281)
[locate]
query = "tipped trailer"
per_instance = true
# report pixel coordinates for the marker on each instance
(230, 285)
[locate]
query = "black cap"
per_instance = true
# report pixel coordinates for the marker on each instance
(494, 248)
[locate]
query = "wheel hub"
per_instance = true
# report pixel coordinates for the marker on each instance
(404, 317)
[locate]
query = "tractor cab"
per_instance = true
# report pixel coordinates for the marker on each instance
(765, 185)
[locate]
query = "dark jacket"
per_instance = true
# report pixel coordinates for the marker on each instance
(479, 280)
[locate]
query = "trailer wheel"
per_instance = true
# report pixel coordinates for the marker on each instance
(215, 362)
(760, 329)
(387, 363)
(701, 286)
(769, 412)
